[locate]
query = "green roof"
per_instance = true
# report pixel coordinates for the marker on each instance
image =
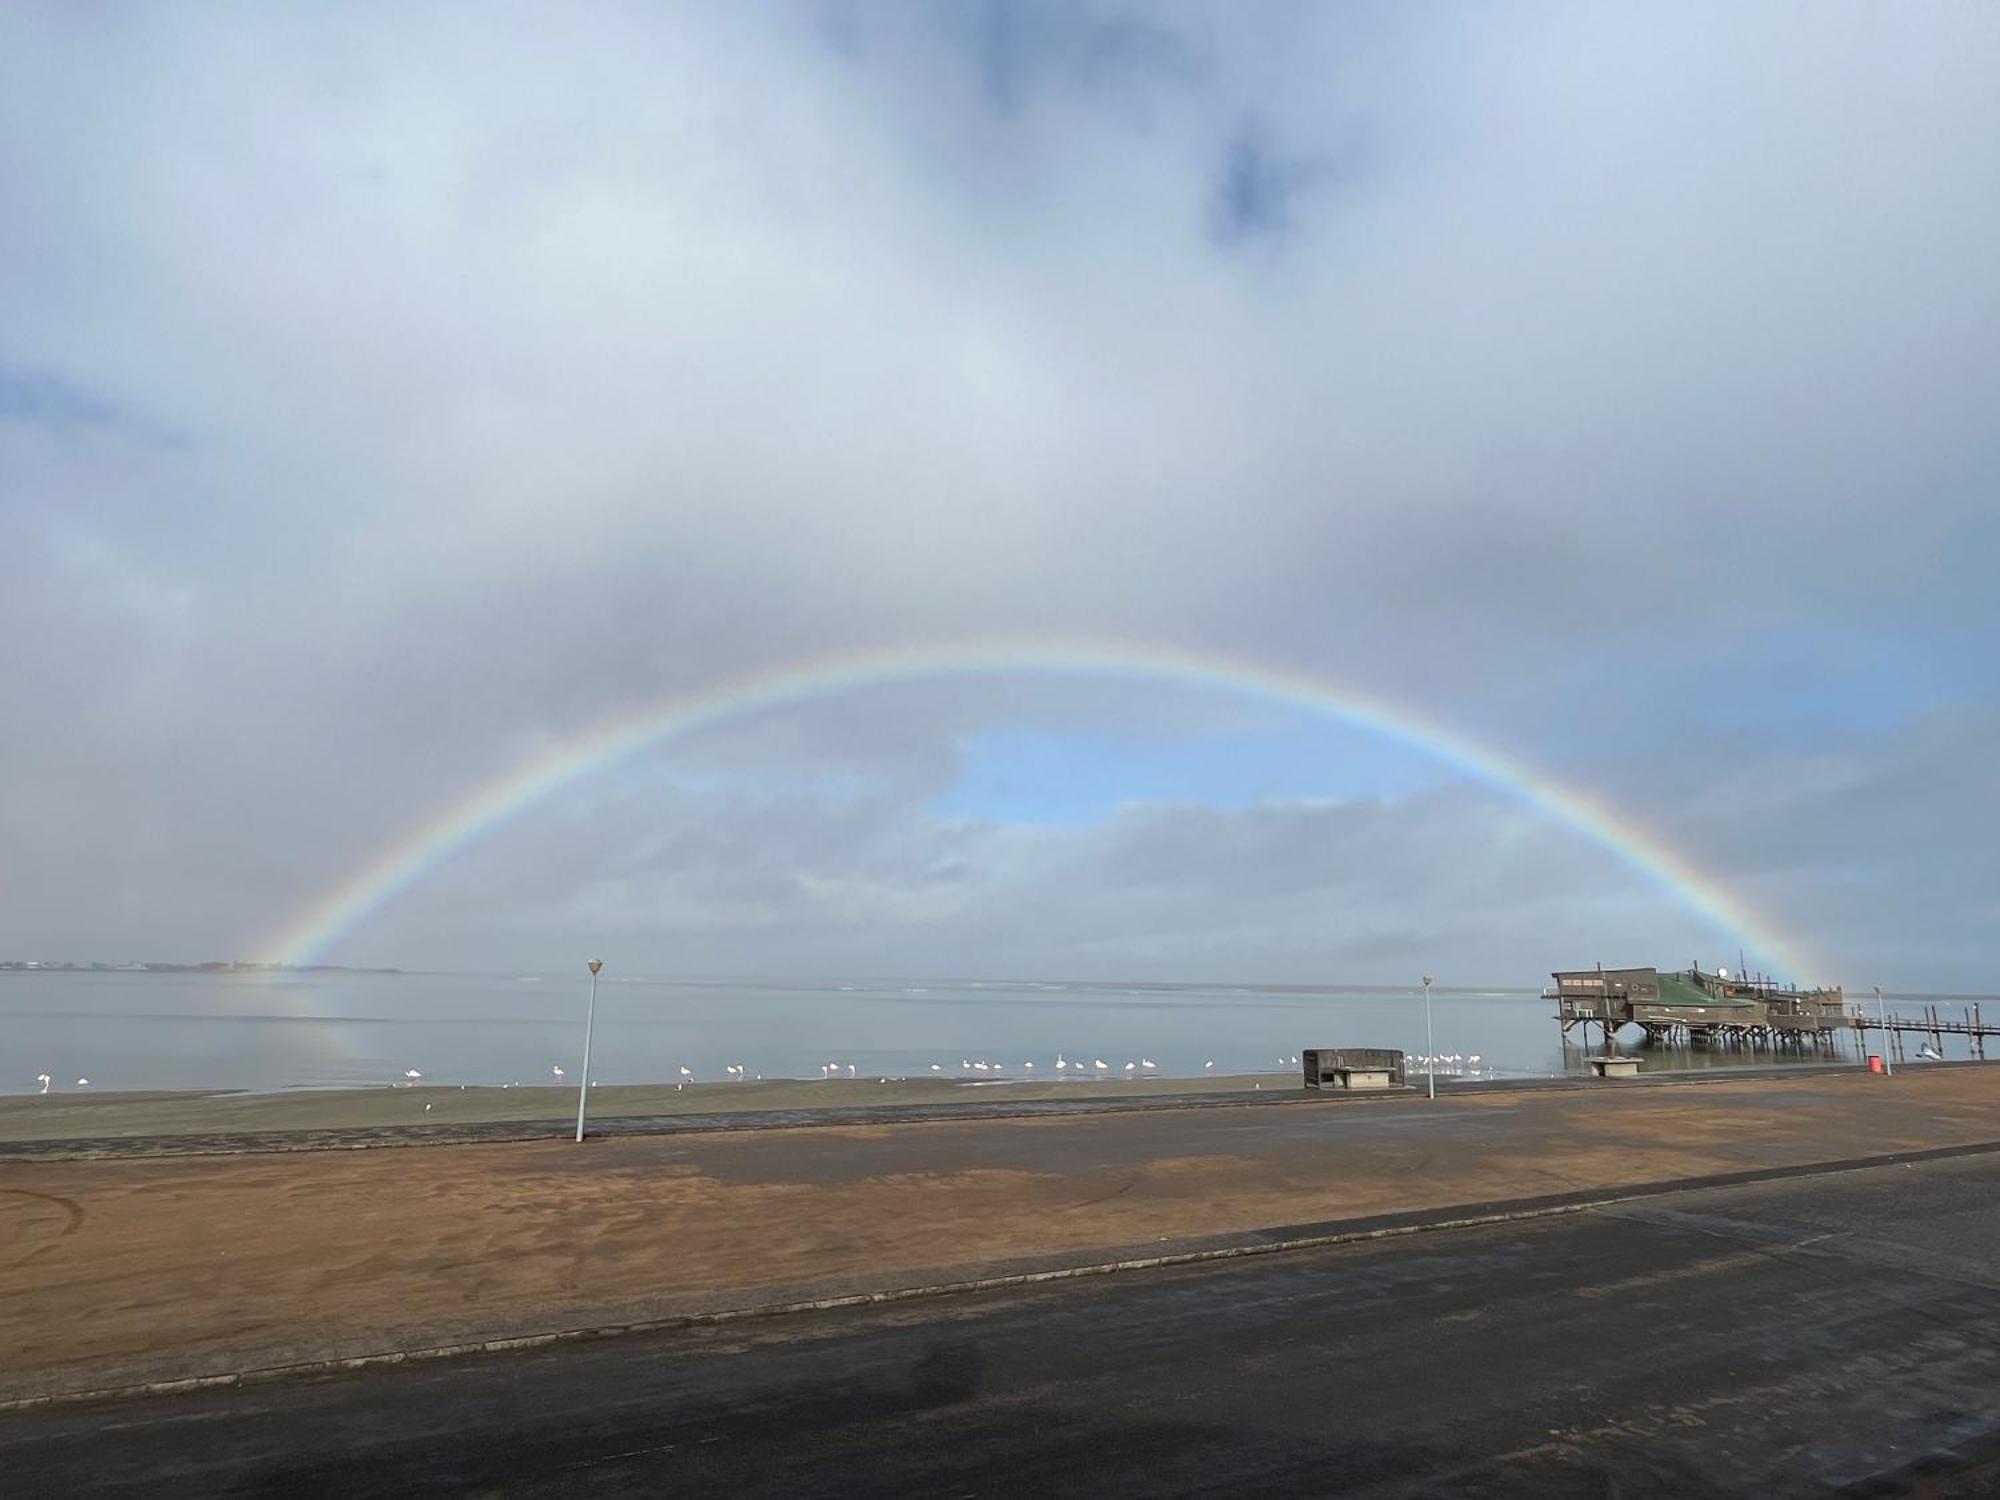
(1679, 990)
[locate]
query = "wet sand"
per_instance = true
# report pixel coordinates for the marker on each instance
(79, 1115)
(117, 1271)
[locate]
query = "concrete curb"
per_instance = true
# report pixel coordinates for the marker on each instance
(1277, 1240)
(517, 1132)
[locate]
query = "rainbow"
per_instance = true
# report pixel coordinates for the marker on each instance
(405, 862)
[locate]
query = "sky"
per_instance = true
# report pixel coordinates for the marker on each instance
(390, 395)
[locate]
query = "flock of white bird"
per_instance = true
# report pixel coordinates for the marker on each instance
(1066, 1068)
(1455, 1064)
(968, 1067)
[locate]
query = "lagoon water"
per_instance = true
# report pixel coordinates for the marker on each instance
(133, 1030)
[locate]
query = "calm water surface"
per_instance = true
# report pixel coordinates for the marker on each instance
(269, 1031)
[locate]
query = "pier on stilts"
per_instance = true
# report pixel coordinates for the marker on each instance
(1698, 1009)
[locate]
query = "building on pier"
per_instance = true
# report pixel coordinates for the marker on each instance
(1696, 1007)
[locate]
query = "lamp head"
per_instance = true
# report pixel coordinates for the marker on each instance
(595, 964)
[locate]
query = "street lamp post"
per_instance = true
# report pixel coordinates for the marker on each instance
(1882, 1015)
(1430, 1047)
(589, 1025)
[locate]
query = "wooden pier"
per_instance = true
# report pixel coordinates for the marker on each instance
(1931, 1024)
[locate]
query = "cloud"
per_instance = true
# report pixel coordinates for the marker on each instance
(385, 403)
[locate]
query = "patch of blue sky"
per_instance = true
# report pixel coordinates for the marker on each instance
(1052, 777)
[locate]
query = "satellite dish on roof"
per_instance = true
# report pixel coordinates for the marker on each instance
(1721, 973)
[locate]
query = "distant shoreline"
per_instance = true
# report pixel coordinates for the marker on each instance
(214, 966)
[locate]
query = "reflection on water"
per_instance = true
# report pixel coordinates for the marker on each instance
(1659, 1058)
(143, 1031)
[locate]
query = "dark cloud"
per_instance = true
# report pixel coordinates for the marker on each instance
(1022, 45)
(1260, 191)
(41, 399)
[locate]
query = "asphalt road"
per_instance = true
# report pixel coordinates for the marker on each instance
(1822, 1335)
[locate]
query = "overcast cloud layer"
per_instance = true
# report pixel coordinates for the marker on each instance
(387, 393)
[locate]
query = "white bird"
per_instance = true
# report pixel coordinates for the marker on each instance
(84, 1083)
(1209, 1064)
(937, 1067)
(1061, 1062)
(44, 1080)
(964, 1066)
(411, 1073)
(1130, 1067)
(556, 1068)
(1147, 1062)
(427, 1109)
(687, 1072)
(1100, 1064)
(850, 1070)
(1027, 1067)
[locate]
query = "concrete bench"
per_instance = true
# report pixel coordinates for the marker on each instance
(1362, 1078)
(1615, 1067)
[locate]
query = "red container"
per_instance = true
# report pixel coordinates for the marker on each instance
(1874, 1063)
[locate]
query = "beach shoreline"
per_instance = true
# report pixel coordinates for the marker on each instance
(73, 1115)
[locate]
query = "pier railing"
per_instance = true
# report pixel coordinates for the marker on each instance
(1931, 1023)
